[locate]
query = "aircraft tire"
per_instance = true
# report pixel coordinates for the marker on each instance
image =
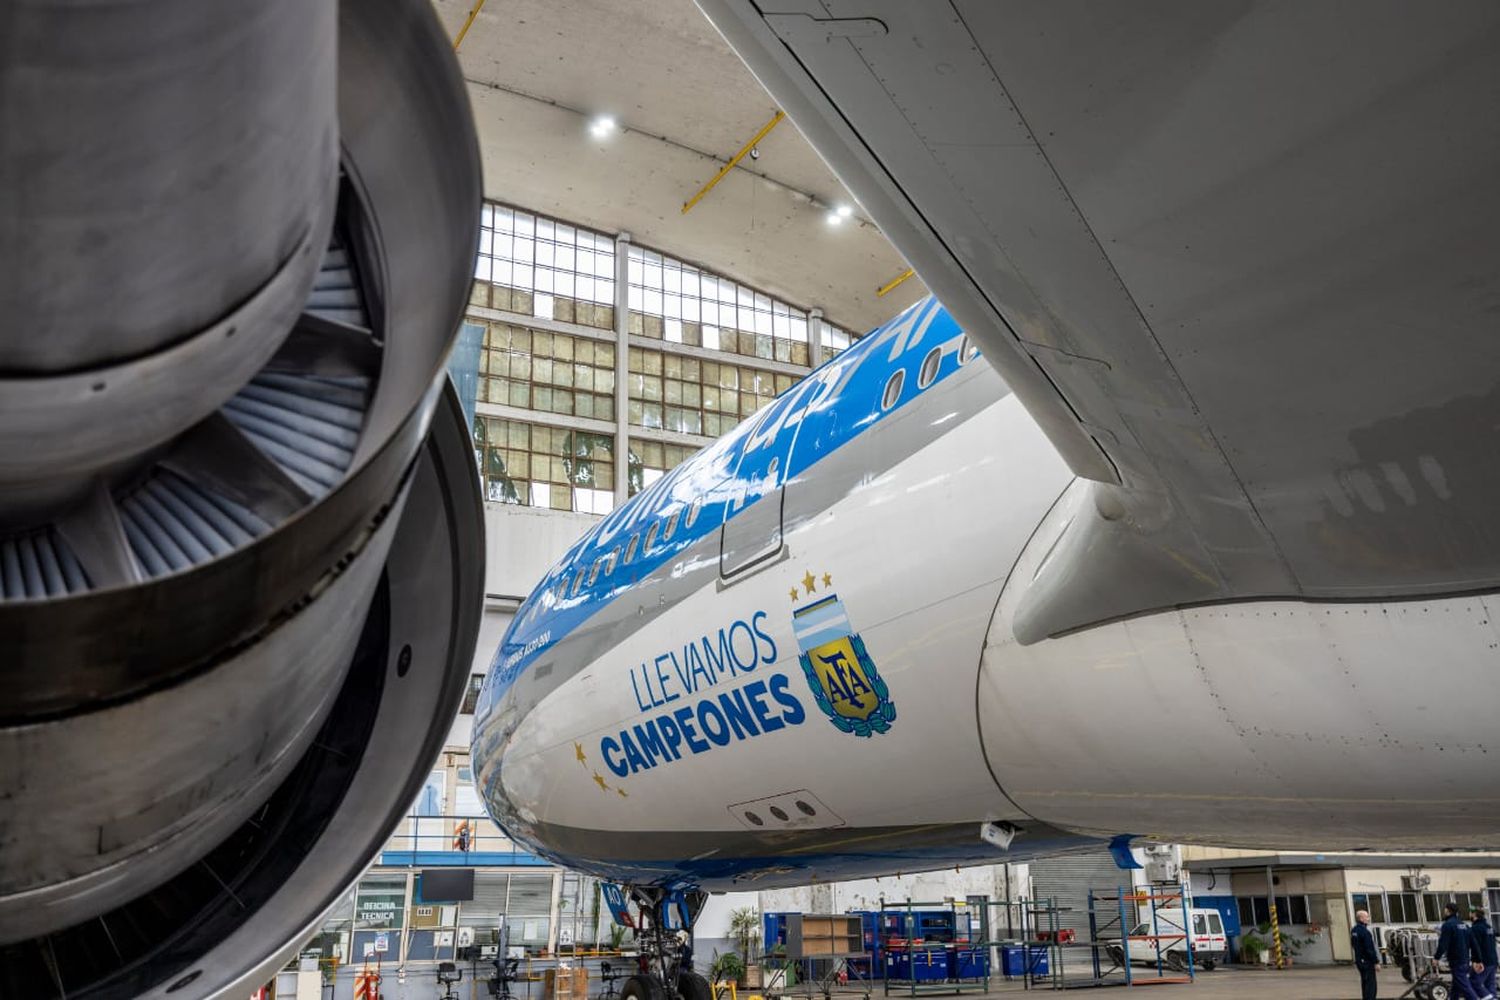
(642, 988)
(691, 986)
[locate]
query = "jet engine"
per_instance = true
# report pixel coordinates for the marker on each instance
(240, 529)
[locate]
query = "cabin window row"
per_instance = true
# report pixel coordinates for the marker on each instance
(639, 545)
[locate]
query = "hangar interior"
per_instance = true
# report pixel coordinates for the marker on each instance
(598, 361)
(660, 256)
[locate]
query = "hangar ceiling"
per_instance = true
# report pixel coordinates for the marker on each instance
(540, 70)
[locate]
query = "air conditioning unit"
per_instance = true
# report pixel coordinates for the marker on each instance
(1415, 883)
(1162, 870)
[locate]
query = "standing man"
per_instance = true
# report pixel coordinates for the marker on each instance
(1484, 940)
(1366, 955)
(1456, 945)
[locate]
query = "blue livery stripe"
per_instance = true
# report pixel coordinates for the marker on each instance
(834, 404)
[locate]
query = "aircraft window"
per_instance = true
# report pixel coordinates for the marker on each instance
(805, 809)
(671, 528)
(694, 511)
(779, 813)
(609, 562)
(929, 367)
(630, 547)
(967, 350)
(594, 573)
(893, 389)
(651, 536)
(755, 819)
(577, 583)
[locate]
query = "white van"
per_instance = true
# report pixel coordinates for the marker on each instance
(1210, 944)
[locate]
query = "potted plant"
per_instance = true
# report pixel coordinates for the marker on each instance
(744, 927)
(1252, 947)
(727, 968)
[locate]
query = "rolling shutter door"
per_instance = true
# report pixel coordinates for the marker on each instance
(488, 903)
(1066, 880)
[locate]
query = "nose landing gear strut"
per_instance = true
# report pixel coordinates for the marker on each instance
(664, 929)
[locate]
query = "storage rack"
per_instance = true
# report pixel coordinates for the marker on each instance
(818, 948)
(934, 947)
(1117, 912)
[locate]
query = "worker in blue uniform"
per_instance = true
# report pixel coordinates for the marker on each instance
(1366, 955)
(1484, 940)
(1456, 945)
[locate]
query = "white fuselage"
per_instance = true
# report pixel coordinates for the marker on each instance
(699, 730)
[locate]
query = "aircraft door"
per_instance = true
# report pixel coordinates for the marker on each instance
(752, 533)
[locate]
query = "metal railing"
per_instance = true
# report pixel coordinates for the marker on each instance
(433, 841)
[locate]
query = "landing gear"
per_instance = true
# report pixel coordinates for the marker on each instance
(691, 986)
(642, 988)
(665, 935)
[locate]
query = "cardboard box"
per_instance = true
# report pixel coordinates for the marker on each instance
(565, 984)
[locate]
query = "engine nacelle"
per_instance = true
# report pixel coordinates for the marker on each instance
(240, 529)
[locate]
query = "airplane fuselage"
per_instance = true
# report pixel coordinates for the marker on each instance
(793, 658)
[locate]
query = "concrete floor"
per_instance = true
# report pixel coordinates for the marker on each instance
(1313, 983)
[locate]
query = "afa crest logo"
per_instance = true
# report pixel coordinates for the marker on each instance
(844, 681)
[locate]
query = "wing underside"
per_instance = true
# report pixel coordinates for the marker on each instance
(1239, 261)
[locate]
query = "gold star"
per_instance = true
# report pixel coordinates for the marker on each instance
(578, 752)
(827, 580)
(622, 793)
(600, 779)
(808, 581)
(794, 593)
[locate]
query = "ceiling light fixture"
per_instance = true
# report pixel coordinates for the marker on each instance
(844, 211)
(602, 126)
(833, 218)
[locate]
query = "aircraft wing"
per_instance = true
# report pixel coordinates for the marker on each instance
(1239, 260)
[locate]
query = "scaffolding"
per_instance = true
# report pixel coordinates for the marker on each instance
(1151, 925)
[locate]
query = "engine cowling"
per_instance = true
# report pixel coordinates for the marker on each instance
(240, 554)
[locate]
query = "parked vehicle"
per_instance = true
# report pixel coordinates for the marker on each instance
(1164, 939)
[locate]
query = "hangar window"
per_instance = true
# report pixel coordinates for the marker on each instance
(893, 389)
(651, 460)
(539, 266)
(690, 395)
(1433, 903)
(471, 696)
(679, 303)
(630, 547)
(930, 366)
(1403, 908)
(1255, 911)
(546, 371)
(835, 341)
(538, 466)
